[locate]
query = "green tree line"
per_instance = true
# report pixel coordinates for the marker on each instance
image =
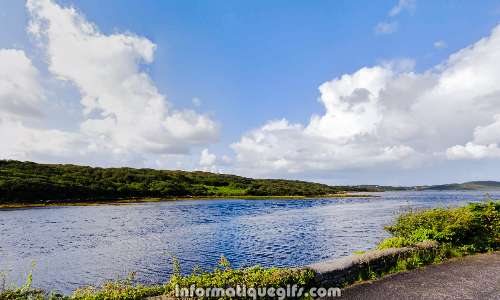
(32, 182)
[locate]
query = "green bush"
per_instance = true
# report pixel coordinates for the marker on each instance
(459, 231)
(394, 242)
(473, 228)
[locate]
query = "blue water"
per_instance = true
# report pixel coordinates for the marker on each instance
(74, 246)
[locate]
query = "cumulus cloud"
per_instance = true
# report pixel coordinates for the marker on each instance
(390, 116)
(21, 100)
(213, 163)
(483, 145)
(473, 151)
(30, 143)
(123, 113)
(20, 91)
(207, 159)
(131, 113)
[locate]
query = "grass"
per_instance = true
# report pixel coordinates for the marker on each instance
(221, 277)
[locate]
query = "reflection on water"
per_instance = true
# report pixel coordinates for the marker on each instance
(75, 246)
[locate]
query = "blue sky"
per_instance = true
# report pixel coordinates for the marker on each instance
(258, 60)
(253, 62)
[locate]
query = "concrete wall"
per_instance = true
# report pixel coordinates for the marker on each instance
(348, 269)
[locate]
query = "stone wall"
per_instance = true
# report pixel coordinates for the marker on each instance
(348, 269)
(345, 270)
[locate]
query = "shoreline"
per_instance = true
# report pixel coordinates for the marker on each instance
(152, 200)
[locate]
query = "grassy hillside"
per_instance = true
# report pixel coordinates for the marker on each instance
(30, 182)
(471, 185)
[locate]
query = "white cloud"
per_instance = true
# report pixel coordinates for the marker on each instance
(389, 116)
(489, 133)
(386, 27)
(21, 101)
(207, 159)
(389, 27)
(20, 91)
(129, 109)
(399, 65)
(27, 143)
(212, 163)
(484, 143)
(473, 151)
(124, 116)
(408, 5)
(440, 44)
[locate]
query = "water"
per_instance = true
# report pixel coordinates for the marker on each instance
(76, 246)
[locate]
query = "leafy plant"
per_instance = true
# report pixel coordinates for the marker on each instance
(473, 228)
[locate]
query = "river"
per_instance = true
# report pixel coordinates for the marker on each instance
(73, 246)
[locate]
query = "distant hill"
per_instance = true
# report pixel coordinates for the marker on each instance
(377, 188)
(471, 185)
(30, 182)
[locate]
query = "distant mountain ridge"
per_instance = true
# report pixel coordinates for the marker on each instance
(469, 186)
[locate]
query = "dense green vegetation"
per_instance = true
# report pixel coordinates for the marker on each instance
(472, 228)
(28, 182)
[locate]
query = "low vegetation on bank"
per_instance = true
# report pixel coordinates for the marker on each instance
(460, 231)
(457, 231)
(469, 229)
(221, 277)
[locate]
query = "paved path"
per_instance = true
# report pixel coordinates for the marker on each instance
(473, 277)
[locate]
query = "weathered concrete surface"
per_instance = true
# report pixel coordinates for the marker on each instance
(344, 270)
(471, 277)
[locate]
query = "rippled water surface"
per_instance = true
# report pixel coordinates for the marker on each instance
(74, 246)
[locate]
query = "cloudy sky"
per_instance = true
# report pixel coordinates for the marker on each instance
(341, 92)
